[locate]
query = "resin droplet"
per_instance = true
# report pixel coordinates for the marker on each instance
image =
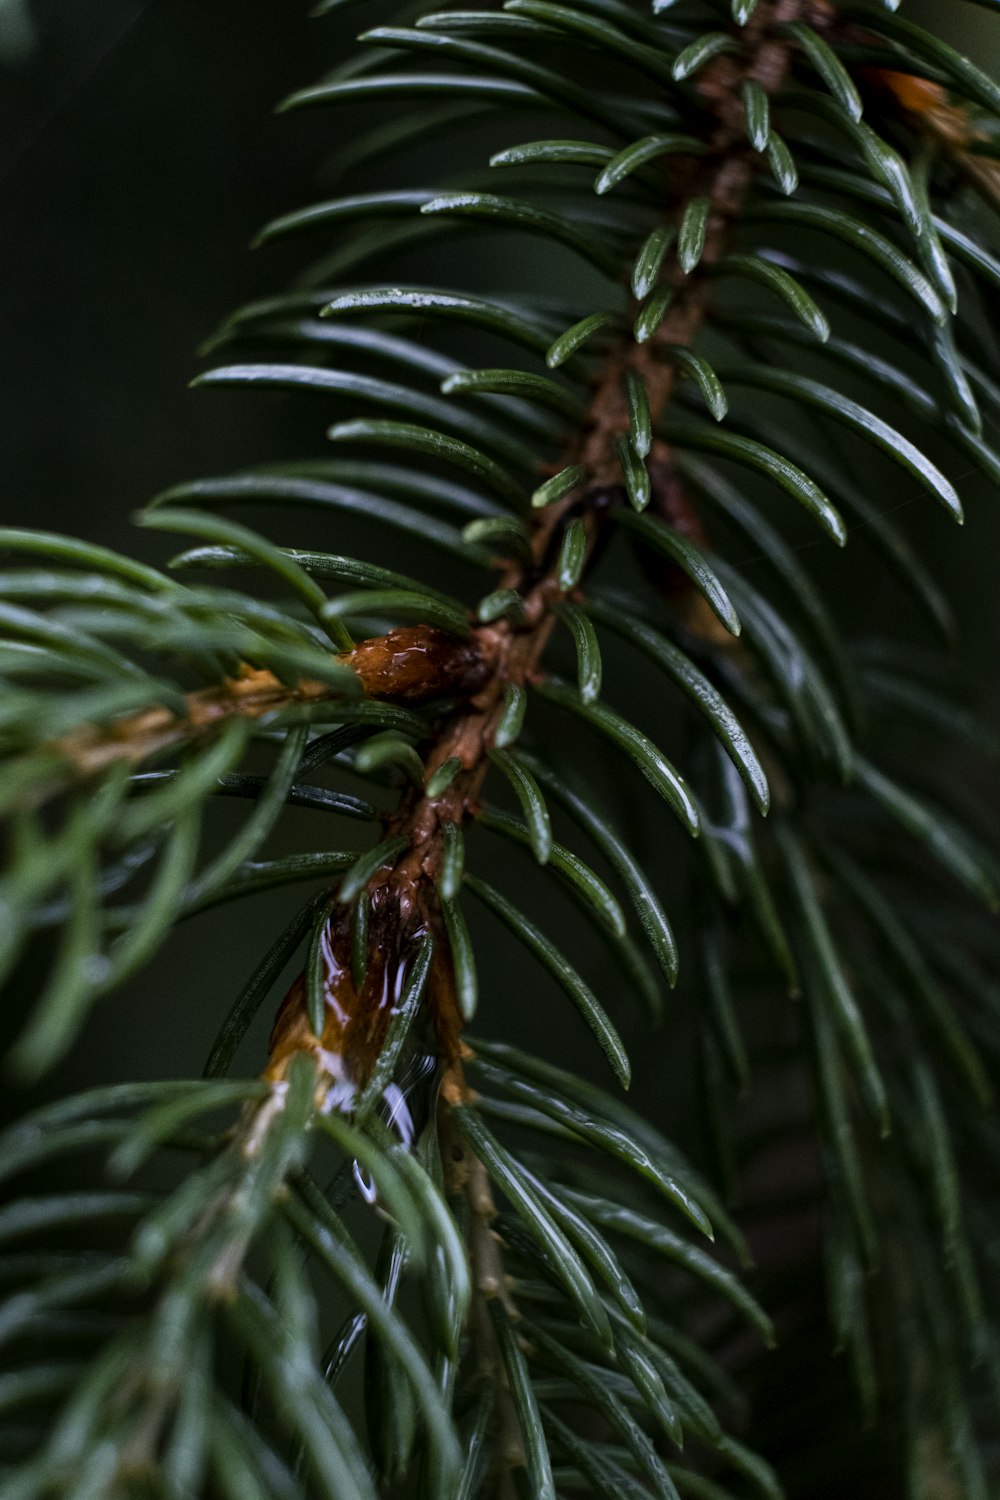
(356, 1020)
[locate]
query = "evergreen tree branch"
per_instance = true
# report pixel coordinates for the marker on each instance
(515, 648)
(549, 1274)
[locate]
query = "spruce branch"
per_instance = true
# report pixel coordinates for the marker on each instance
(515, 649)
(542, 1311)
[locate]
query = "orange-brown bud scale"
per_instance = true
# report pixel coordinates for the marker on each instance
(416, 663)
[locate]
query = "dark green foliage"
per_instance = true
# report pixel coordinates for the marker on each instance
(404, 1262)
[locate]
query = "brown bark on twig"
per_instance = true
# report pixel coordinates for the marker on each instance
(724, 177)
(418, 664)
(410, 665)
(403, 894)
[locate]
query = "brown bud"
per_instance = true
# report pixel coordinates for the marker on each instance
(416, 662)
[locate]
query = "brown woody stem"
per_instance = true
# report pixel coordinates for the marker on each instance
(515, 649)
(418, 664)
(410, 665)
(405, 891)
